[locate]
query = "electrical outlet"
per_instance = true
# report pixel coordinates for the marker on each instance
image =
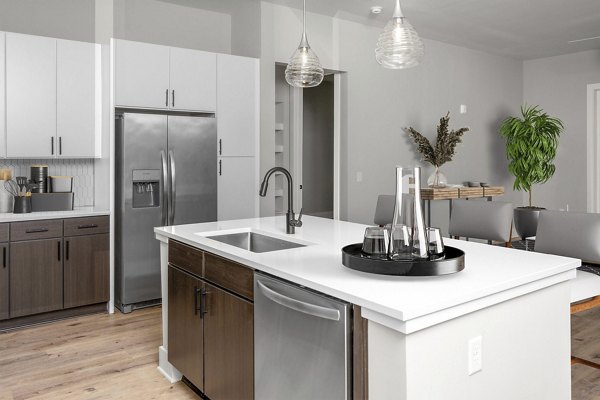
(359, 176)
(463, 108)
(475, 355)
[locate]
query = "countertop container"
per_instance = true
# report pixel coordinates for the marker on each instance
(6, 199)
(61, 184)
(52, 201)
(39, 176)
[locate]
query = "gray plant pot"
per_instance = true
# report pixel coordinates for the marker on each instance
(526, 220)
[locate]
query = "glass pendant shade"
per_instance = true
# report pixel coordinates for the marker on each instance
(304, 68)
(399, 46)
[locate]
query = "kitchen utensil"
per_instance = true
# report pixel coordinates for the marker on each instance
(39, 176)
(435, 244)
(375, 242)
(12, 187)
(61, 184)
(22, 182)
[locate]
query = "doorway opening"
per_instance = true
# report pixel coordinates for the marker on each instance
(307, 143)
(593, 147)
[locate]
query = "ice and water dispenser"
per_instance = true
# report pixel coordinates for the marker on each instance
(146, 188)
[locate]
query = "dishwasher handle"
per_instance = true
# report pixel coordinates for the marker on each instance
(300, 306)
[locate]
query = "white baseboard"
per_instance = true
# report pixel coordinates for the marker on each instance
(166, 368)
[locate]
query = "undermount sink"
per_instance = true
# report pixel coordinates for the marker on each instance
(255, 242)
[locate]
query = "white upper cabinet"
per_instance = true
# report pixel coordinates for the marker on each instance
(141, 75)
(78, 100)
(237, 104)
(193, 80)
(160, 77)
(2, 97)
(30, 96)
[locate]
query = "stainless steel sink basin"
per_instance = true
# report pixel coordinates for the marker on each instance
(255, 242)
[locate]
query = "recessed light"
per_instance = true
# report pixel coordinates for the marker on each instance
(376, 10)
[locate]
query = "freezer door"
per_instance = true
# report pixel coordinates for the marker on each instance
(141, 143)
(192, 170)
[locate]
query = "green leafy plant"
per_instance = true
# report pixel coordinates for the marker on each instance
(445, 143)
(531, 143)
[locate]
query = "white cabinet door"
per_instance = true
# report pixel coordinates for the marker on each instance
(2, 96)
(237, 105)
(193, 80)
(30, 96)
(77, 98)
(237, 191)
(141, 75)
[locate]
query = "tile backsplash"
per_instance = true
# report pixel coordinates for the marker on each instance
(82, 172)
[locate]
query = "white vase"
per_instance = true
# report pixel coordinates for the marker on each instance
(437, 179)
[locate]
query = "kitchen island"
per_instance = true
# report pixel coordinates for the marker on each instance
(508, 311)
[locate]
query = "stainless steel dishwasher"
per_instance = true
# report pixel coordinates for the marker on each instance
(301, 343)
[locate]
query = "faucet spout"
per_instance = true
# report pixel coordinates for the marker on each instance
(291, 223)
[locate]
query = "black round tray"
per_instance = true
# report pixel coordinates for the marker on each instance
(352, 257)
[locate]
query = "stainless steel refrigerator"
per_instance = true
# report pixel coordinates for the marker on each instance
(166, 174)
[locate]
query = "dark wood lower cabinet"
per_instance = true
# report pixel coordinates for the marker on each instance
(86, 271)
(36, 277)
(4, 281)
(228, 346)
(185, 332)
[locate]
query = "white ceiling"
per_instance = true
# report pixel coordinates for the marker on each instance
(523, 29)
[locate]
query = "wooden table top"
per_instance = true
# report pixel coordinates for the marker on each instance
(450, 193)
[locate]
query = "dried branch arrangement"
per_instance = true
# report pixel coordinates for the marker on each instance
(445, 144)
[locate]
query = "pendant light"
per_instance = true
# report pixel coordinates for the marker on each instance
(304, 69)
(399, 45)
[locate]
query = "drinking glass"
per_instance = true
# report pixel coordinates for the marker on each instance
(375, 242)
(400, 243)
(435, 244)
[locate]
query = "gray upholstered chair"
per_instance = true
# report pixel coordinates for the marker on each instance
(384, 211)
(573, 235)
(487, 220)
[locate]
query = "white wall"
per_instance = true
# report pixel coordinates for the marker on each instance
(559, 86)
(172, 25)
(377, 103)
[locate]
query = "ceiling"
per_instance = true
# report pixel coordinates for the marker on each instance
(523, 29)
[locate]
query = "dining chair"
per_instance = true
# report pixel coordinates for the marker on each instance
(486, 220)
(384, 211)
(575, 235)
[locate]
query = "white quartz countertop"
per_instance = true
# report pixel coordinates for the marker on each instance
(492, 274)
(33, 216)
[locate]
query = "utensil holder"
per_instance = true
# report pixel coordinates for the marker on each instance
(22, 205)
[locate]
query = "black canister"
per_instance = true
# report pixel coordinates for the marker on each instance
(39, 176)
(22, 205)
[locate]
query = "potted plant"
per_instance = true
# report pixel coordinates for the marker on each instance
(444, 150)
(531, 143)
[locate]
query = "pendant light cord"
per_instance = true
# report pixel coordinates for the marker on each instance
(304, 18)
(397, 10)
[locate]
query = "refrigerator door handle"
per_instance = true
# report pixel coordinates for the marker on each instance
(173, 193)
(165, 179)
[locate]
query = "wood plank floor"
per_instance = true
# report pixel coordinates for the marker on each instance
(95, 357)
(115, 357)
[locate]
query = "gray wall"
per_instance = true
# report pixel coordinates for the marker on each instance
(65, 19)
(559, 86)
(172, 25)
(379, 102)
(317, 150)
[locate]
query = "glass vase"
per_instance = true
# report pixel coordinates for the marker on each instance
(437, 179)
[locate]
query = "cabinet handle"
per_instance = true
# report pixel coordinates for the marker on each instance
(4, 256)
(220, 167)
(52, 145)
(60, 145)
(89, 226)
(203, 309)
(196, 307)
(66, 250)
(220, 147)
(167, 98)
(37, 230)
(59, 250)
(173, 95)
